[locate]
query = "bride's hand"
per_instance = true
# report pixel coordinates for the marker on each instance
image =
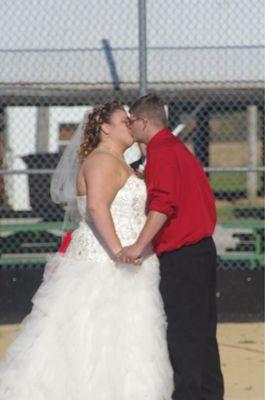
(123, 258)
(120, 257)
(132, 254)
(132, 251)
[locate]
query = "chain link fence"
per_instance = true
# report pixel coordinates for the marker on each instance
(205, 58)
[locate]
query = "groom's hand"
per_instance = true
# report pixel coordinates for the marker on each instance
(124, 256)
(133, 253)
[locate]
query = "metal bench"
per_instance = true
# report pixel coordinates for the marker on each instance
(27, 227)
(255, 257)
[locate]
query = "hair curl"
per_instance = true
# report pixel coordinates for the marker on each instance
(92, 129)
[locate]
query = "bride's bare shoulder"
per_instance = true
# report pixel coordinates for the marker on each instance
(100, 162)
(100, 159)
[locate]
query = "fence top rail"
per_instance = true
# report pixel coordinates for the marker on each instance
(51, 171)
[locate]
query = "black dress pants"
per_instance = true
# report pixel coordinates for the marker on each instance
(188, 289)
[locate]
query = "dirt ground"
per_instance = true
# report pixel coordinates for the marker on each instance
(242, 358)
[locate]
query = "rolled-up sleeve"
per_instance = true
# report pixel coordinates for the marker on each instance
(162, 184)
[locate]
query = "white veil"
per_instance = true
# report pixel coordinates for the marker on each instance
(63, 181)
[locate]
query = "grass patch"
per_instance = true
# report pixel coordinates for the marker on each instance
(228, 181)
(225, 214)
(231, 181)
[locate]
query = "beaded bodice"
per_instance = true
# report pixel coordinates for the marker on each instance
(128, 213)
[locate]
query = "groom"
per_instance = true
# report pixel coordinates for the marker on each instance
(181, 218)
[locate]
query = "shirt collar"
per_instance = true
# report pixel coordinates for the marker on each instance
(158, 136)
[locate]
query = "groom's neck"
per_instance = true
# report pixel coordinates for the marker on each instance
(153, 131)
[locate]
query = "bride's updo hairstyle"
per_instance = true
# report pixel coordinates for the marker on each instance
(92, 129)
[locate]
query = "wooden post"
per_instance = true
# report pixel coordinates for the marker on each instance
(252, 117)
(42, 134)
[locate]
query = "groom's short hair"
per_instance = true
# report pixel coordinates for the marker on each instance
(150, 106)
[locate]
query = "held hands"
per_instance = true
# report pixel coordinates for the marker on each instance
(129, 254)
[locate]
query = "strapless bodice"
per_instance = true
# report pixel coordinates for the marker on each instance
(128, 213)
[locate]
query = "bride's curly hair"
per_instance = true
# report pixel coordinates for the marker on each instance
(92, 129)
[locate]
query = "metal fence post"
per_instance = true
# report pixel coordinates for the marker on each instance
(142, 47)
(252, 152)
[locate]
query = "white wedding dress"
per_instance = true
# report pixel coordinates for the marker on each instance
(97, 329)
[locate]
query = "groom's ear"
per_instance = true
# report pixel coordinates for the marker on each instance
(145, 123)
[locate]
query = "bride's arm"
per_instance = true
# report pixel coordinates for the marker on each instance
(102, 176)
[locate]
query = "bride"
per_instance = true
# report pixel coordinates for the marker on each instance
(97, 329)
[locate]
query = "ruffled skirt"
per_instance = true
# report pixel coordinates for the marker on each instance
(97, 331)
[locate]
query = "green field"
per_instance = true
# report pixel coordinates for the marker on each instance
(231, 181)
(228, 183)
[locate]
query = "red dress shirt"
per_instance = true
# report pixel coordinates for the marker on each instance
(178, 187)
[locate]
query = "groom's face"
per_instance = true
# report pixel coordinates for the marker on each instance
(137, 126)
